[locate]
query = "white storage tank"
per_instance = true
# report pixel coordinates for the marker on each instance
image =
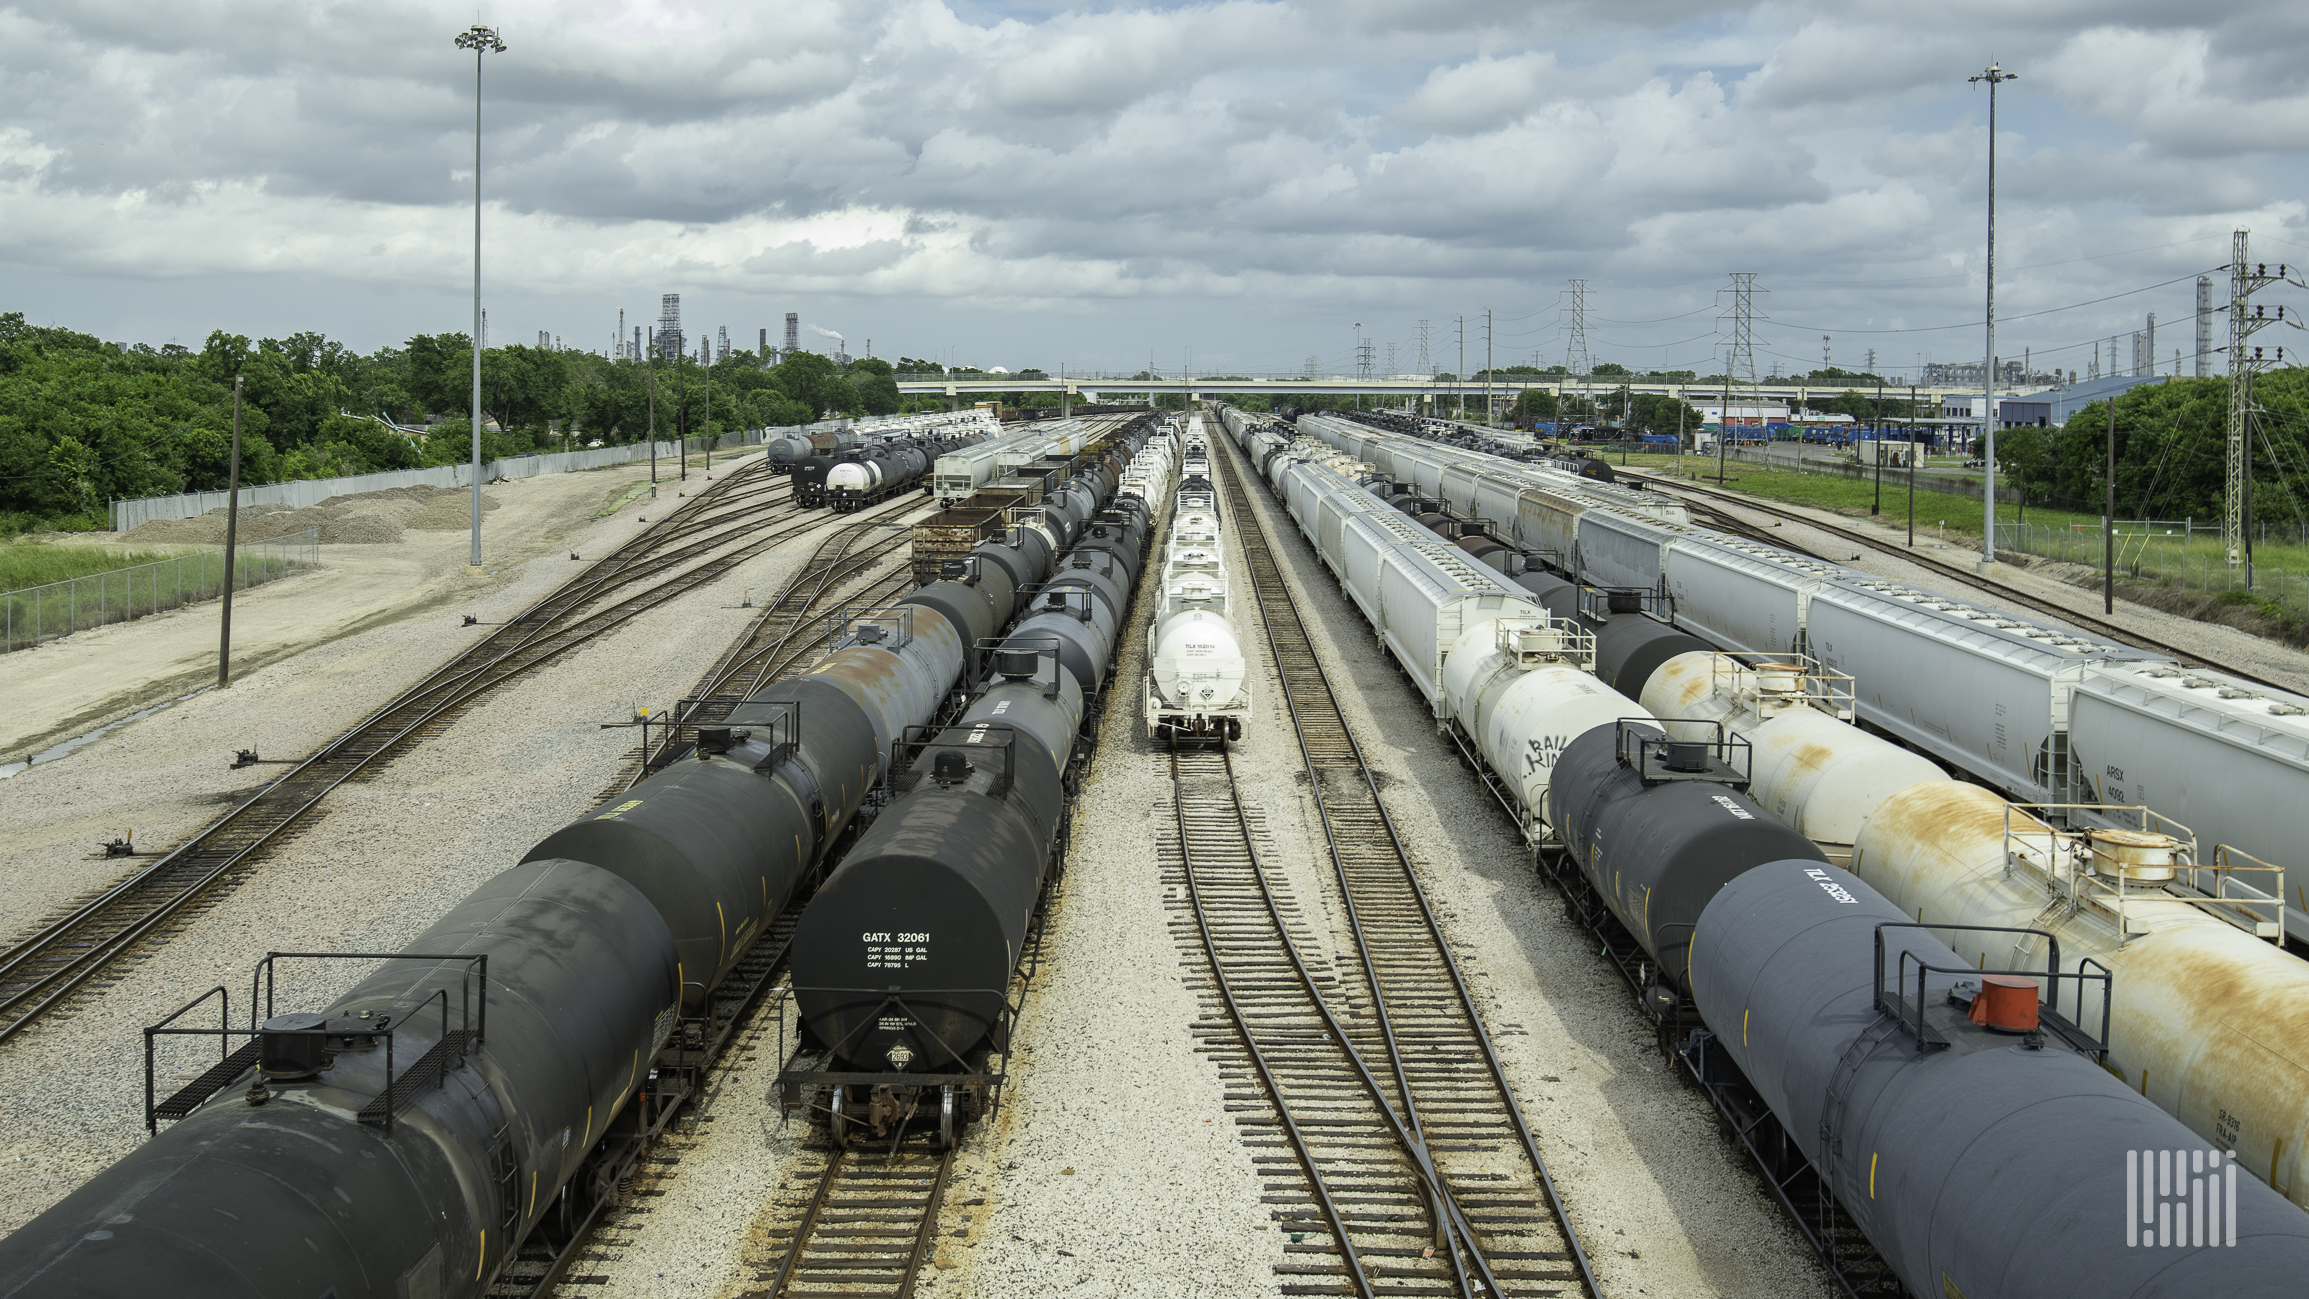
(1809, 766)
(1518, 689)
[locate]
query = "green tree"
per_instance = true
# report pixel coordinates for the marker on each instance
(876, 387)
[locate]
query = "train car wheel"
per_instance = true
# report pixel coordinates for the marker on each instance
(946, 1120)
(837, 1117)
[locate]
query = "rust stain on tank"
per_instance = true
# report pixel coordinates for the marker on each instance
(1810, 757)
(2219, 1019)
(1927, 810)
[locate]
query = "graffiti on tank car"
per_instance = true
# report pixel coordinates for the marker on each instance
(1543, 751)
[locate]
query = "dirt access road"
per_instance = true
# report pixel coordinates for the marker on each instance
(67, 687)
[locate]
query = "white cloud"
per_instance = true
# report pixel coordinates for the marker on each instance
(1292, 157)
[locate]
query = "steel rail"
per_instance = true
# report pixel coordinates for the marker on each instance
(809, 1224)
(767, 648)
(533, 641)
(1277, 608)
(2083, 622)
(1298, 1138)
(1314, 688)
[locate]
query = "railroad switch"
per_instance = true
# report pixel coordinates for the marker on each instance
(245, 758)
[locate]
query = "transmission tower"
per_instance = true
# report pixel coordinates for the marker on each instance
(1363, 359)
(2237, 502)
(1743, 318)
(1426, 365)
(1390, 360)
(1575, 356)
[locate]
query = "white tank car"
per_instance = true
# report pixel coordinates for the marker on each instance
(1198, 686)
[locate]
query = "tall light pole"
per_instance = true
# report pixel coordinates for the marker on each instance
(481, 40)
(1995, 76)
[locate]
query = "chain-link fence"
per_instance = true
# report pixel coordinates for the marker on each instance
(2174, 553)
(38, 613)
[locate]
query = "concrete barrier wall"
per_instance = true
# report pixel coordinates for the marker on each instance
(313, 491)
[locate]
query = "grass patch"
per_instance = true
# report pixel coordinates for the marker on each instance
(1961, 514)
(620, 501)
(36, 563)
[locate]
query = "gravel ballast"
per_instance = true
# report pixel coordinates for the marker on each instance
(386, 857)
(1661, 1202)
(1164, 1197)
(1115, 1166)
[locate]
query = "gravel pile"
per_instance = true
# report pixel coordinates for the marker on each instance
(385, 859)
(365, 518)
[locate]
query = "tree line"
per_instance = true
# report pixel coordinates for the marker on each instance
(2171, 451)
(84, 422)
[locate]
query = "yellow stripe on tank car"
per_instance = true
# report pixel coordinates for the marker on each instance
(1743, 1028)
(724, 921)
(483, 1259)
(1872, 1156)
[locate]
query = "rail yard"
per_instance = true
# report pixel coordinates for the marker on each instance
(1175, 853)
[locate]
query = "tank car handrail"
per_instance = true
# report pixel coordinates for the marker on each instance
(224, 1048)
(2048, 1009)
(1654, 753)
(476, 1026)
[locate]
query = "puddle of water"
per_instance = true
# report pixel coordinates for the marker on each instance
(58, 750)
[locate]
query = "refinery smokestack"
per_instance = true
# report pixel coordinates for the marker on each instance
(793, 332)
(2204, 325)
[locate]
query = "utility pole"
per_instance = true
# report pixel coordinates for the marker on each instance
(1461, 375)
(1487, 411)
(650, 359)
(1877, 507)
(2237, 501)
(2109, 516)
(709, 419)
(1724, 421)
(481, 40)
(232, 527)
(1912, 466)
(1994, 76)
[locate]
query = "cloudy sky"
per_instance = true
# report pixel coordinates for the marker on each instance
(1232, 185)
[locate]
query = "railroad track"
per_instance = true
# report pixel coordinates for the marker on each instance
(859, 1225)
(787, 630)
(696, 543)
(1416, 1164)
(1970, 577)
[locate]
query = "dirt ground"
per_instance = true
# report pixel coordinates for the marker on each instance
(401, 555)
